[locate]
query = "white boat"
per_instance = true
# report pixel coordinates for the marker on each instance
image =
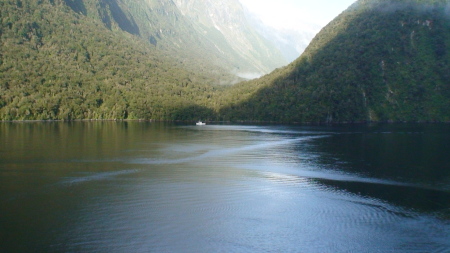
(200, 123)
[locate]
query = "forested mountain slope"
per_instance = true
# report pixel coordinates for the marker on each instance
(380, 60)
(114, 59)
(93, 59)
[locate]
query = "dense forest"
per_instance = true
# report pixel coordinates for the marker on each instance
(58, 64)
(380, 60)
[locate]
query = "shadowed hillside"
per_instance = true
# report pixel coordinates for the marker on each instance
(380, 60)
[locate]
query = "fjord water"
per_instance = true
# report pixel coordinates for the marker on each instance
(159, 187)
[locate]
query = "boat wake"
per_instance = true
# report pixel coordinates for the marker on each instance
(223, 151)
(68, 181)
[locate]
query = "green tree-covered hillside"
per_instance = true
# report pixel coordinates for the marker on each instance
(64, 59)
(380, 60)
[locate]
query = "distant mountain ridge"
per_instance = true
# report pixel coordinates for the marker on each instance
(169, 25)
(291, 42)
(224, 24)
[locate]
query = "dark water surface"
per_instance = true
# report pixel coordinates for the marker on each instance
(154, 187)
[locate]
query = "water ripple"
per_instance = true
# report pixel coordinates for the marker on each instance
(223, 151)
(96, 177)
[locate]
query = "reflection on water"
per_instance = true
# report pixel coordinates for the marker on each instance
(155, 187)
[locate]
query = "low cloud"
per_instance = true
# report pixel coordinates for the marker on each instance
(249, 75)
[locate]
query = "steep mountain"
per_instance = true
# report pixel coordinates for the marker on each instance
(123, 59)
(225, 24)
(291, 42)
(213, 31)
(170, 28)
(380, 60)
(98, 59)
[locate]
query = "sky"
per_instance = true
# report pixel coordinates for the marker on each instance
(294, 14)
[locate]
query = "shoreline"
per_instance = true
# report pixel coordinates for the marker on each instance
(229, 122)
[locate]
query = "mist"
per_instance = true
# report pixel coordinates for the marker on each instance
(249, 75)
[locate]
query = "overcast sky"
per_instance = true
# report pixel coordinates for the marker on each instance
(294, 13)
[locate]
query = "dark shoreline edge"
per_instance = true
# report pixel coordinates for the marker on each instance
(232, 122)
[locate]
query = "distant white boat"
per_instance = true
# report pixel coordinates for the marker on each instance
(200, 123)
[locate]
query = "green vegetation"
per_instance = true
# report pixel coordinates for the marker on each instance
(381, 60)
(58, 64)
